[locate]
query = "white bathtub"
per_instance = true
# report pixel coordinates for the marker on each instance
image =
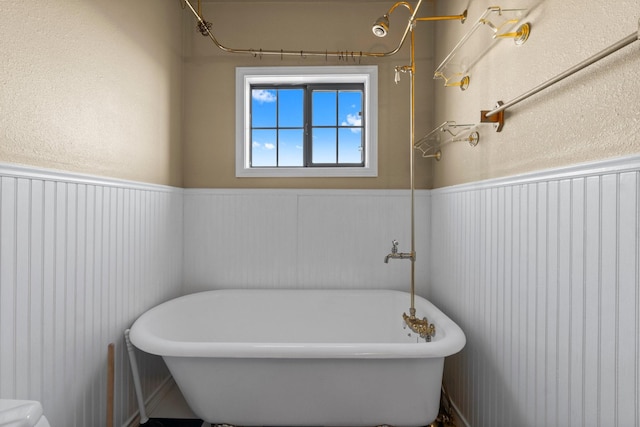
(301, 357)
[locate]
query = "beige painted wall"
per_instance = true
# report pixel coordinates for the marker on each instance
(592, 115)
(93, 87)
(209, 144)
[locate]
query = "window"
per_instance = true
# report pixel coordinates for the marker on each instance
(306, 121)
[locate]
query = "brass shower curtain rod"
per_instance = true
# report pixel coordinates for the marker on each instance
(205, 29)
(496, 115)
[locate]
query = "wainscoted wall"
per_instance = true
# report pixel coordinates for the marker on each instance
(81, 258)
(541, 271)
(302, 238)
(543, 274)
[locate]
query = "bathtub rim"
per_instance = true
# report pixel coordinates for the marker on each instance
(149, 342)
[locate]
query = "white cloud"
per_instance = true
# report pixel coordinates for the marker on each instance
(266, 145)
(352, 120)
(262, 95)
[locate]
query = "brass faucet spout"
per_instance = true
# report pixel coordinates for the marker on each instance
(399, 255)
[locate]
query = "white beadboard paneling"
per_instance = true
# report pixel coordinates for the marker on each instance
(628, 326)
(243, 239)
(343, 240)
(80, 259)
(542, 273)
(301, 238)
(8, 286)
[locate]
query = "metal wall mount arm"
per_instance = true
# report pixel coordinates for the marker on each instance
(496, 116)
(503, 23)
(430, 143)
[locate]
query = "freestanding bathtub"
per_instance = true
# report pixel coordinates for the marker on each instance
(301, 357)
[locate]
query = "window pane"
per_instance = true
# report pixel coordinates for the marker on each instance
(350, 108)
(324, 108)
(290, 147)
(263, 108)
(324, 146)
(350, 146)
(290, 107)
(263, 148)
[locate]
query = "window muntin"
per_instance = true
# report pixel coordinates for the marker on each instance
(355, 155)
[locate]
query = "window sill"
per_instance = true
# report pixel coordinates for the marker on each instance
(344, 172)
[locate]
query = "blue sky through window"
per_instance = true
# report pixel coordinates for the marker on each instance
(277, 122)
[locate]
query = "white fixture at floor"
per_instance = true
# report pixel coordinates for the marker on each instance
(22, 413)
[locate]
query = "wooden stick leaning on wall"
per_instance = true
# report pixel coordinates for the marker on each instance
(110, 383)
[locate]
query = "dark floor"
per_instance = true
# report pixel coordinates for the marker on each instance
(167, 422)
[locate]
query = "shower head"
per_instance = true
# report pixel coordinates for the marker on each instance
(381, 26)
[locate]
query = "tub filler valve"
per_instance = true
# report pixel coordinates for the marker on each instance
(421, 327)
(398, 255)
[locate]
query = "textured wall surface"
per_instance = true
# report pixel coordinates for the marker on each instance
(592, 115)
(92, 86)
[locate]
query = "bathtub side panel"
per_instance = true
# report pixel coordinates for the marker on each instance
(311, 392)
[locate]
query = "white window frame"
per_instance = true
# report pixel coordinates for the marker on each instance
(247, 76)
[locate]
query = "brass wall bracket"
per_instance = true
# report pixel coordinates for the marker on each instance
(496, 115)
(501, 23)
(497, 119)
(473, 138)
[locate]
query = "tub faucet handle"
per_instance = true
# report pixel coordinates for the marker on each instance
(394, 248)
